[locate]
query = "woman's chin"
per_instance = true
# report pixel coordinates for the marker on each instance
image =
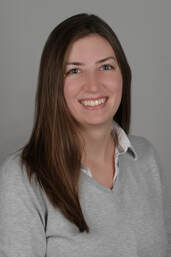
(97, 123)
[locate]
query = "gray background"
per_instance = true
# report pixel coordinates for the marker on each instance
(143, 28)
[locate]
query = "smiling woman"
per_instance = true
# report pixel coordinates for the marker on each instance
(82, 186)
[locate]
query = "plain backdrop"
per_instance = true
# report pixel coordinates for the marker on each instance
(142, 26)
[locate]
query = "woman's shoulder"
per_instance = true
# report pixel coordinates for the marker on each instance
(143, 147)
(14, 182)
(148, 156)
(12, 170)
(140, 141)
(11, 167)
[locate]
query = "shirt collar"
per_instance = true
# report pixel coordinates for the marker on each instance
(124, 144)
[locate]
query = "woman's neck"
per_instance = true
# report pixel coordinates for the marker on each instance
(98, 145)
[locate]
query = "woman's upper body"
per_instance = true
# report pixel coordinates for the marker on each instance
(127, 220)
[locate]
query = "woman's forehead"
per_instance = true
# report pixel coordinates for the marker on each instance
(89, 47)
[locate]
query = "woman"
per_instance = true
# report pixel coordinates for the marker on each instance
(82, 186)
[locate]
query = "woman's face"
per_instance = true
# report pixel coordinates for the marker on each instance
(93, 81)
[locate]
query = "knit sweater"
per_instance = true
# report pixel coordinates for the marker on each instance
(127, 221)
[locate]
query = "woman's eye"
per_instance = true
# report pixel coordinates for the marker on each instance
(72, 71)
(107, 67)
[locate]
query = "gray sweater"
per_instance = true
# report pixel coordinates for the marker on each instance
(127, 221)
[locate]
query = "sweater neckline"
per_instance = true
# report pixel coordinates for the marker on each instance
(98, 185)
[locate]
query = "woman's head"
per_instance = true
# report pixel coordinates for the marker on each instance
(93, 82)
(50, 95)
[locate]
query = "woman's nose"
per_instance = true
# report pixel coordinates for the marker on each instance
(91, 82)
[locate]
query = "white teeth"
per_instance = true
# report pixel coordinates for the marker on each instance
(93, 103)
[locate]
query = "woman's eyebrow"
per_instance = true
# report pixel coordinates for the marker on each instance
(74, 63)
(106, 59)
(99, 61)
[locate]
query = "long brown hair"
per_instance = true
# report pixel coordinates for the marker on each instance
(53, 152)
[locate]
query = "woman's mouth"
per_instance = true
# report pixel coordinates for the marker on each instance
(94, 103)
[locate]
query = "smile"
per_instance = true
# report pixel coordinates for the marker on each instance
(94, 102)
